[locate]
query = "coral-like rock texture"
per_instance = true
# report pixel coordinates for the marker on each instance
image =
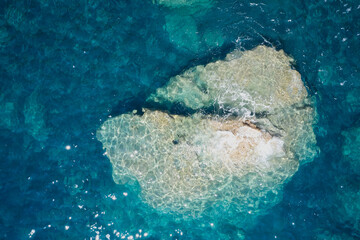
(237, 158)
(258, 80)
(260, 85)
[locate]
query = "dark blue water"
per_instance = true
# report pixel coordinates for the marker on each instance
(65, 66)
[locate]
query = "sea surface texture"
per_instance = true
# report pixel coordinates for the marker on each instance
(68, 67)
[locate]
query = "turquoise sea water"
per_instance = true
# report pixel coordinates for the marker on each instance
(66, 66)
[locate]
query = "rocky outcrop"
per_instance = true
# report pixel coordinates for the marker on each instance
(236, 157)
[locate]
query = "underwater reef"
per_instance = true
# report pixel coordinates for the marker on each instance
(237, 156)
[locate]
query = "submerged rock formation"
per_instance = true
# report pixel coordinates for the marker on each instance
(185, 164)
(34, 116)
(259, 85)
(351, 147)
(258, 80)
(238, 160)
(183, 23)
(347, 209)
(183, 3)
(347, 205)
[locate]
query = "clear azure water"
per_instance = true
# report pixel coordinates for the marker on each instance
(66, 66)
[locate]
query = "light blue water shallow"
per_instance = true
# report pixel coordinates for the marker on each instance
(66, 66)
